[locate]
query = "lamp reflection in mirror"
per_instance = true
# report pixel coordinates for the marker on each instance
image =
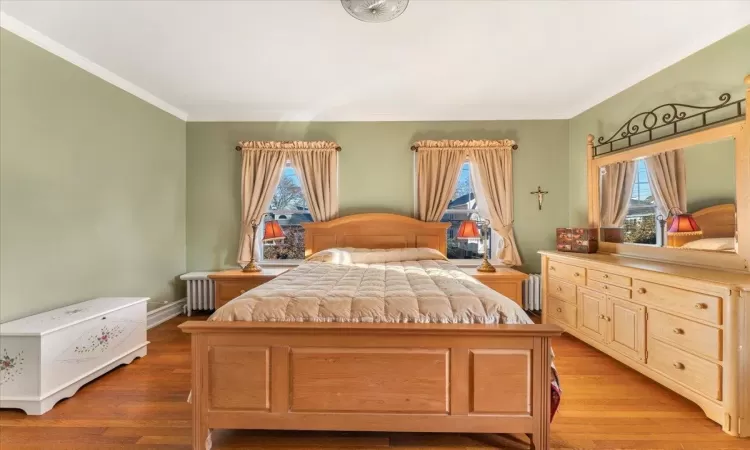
(272, 232)
(470, 230)
(684, 229)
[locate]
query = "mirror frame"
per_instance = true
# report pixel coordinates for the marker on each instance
(738, 130)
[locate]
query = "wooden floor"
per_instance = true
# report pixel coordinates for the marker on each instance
(605, 405)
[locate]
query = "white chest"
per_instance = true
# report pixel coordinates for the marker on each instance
(46, 357)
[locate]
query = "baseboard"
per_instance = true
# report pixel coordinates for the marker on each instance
(164, 313)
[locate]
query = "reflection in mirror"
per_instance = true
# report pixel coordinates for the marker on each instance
(683, 198)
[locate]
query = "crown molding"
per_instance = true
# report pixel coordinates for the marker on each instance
(24, 31)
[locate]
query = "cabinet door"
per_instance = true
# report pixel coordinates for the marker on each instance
(626, 328)
(592, 307)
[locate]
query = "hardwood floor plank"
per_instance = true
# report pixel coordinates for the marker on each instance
(605, 405)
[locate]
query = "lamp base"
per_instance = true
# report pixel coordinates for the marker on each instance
(486, 266)
(252, 267)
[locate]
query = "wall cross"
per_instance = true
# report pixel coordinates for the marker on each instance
(540, 195)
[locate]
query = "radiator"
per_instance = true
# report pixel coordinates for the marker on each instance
(200, 292)
(532, 293)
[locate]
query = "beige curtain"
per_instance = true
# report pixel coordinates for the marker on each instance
(261, 172)
(493, 168)
(616, 189)
(667, 177)
(437, 176)
(317, 169)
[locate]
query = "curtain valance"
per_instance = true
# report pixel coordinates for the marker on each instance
(288, 145)
(465, 144)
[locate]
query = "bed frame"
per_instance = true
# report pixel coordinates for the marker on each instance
(371, 377)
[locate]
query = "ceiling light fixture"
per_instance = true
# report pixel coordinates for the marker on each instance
(375, 10)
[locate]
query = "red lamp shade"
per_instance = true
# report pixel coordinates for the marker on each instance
(684, 223)
(468, 230)
(272, 231)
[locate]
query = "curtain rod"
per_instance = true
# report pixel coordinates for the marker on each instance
(414, 148)
(238, 148)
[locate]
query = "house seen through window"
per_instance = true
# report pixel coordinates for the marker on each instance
(463, 206)
(289, 207)
(640, 224)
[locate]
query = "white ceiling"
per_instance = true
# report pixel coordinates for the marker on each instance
(309, 60)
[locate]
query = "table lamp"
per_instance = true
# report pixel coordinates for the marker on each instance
(683, 230)
(271, 232)
(469, 230)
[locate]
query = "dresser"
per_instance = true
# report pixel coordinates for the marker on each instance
(47, 357)
(505, 280)
(684, 327)
(230, 284)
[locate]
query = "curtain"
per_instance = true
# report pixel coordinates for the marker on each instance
(616, 190)
(437, 176)
(667, 177)
(317, 170)
(493, 167)
(261, 172)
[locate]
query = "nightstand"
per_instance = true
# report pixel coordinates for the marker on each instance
(230, 284)
(506, 281)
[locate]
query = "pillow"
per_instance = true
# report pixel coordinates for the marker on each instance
(374, 256)
(716, 244)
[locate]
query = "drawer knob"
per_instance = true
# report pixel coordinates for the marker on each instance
(552, 268)
(559, 309)
(576, 274)
(605, 276)
(602, 316)
(641, 290)
(559, 289)
(701, 306)
(679, 366)
(606, 287)
(609, 319)
(678, 331)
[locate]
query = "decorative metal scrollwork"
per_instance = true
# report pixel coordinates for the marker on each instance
(645, 124)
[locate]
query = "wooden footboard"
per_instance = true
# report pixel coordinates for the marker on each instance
(371, 377)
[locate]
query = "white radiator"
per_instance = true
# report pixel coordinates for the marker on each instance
(532, 293)
(200, 292)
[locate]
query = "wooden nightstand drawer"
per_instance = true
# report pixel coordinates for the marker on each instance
(506, 281)
(231, 284)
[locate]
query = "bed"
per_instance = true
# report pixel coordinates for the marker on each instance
(390, 373)
(718, 230)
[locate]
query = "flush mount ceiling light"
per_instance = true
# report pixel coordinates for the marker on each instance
(375, 10)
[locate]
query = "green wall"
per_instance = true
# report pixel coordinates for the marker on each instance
(92, 187)
(710, 175)
(376, 174)
(698, 79)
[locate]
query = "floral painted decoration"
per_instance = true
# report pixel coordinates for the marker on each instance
(101, 340)
(10, 367)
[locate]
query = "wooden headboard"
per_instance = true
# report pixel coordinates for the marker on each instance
(718, 221)
(375, 230)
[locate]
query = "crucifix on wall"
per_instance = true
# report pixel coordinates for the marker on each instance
(540, 195)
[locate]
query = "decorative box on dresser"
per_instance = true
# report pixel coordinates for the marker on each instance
(47, 357)
(684, 327)
(230, 284)
(505, 280)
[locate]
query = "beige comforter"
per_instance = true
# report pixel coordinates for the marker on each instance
(356, 285)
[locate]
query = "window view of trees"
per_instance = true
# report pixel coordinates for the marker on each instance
(289, 207)
(463, 206)
(640, 223)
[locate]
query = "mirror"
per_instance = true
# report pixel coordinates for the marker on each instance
(683, 199)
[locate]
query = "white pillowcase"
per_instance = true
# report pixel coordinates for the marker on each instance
(375, 256)
(716, 244)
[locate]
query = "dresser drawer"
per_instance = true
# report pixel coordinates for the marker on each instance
(227, 290)
(566, 272)
(610, 289)
(562, 290)
(563, 311)
(693, 304)
(609, 278)
(696, 337)
(692, 371)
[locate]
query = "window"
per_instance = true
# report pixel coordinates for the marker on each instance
(289, 207)
(640, 224)
(463, 206)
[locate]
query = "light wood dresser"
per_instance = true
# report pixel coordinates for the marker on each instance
(506, 281)
(230, 284)
(684, 327)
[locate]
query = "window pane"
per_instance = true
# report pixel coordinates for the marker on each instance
(463, 206)
(288, 194)
(640, 224)
(293, 246)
